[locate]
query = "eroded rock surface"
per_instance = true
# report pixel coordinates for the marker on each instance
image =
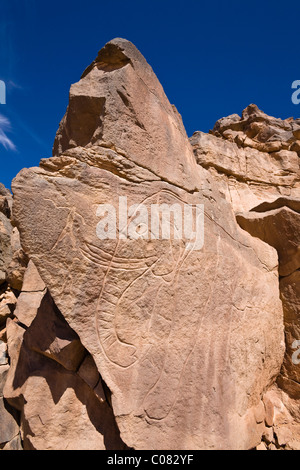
(180, 336)
(51, 394)
(140, 342)
(255, 157)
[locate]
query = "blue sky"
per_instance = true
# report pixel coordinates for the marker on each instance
(212, 58)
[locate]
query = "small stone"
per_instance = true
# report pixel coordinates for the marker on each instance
(3, 354)
(99, 392)
(10, 298)
(268, 435)
(3, 375)
(272, 447)
(31, 297)
(269, 407)
(5, 312)
(4, 206)
(3, 335)
(89, 372)
(14, 444)
(259, 413)
(9, 428)
(8, 302)
(16, 269)
(261, 446)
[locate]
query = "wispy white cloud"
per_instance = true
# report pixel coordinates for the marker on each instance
(11, 85)
(5, 127)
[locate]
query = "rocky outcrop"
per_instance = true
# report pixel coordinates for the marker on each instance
(255, 158)
(51, 393)
(141, 340)
(48, 366)
(9, 245)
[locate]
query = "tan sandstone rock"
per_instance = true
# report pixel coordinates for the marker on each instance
(254, 158)
(5, 246)
(261, 446)
(14, 444)
(278, 224)
(33, 292)
(59, 410)
(89, 373)
(180, 336)
(9, 427)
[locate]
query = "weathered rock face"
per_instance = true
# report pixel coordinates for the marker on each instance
(51, 393)
(120, 105)
(179, 335)
(45, 359)
(9, 419)
(6, 252)
(255, 159)
(147, 341)
(277, 224)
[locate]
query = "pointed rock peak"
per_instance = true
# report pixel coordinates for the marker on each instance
(120, 104)
(4, 191)
(114, 55)
(120, 49)
(252, 110)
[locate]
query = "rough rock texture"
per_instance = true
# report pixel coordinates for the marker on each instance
(170, 329)
(9, 271)
(144, 343)
(5, 248)
(74, 418)
(255, 158)
(45, 359)
(51, 393)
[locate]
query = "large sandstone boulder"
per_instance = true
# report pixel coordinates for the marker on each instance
(180, 333)
(255, 160)
(51, 392)
(278, 224)
(60, 410)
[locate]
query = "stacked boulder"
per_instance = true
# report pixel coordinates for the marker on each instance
(13, 263)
